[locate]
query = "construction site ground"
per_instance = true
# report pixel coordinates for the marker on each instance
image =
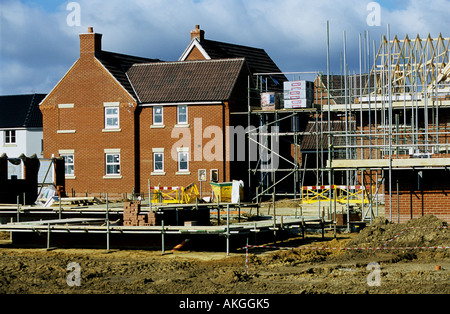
(269, 271)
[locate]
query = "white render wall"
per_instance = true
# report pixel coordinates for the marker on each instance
(28, 142)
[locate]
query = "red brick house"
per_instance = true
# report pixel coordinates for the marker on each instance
(120, 121)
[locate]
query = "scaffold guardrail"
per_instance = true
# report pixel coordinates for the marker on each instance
(352, 194)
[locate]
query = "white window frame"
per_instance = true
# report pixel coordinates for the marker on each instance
(155, 115)
(178, 114)
(179, 155)
(69, 164)
(112, 116)
(10, 137)
(65, 153)
(155, 170)
(112, 153)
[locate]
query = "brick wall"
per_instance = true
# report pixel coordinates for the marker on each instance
(195, 55)
(78, 125)
(418, 197)
(200, 118)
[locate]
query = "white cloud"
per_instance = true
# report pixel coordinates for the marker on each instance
(37, 46)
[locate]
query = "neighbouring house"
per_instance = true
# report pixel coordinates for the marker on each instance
(122, 122)
(21, 125)
(259, 62)
(20, 147)
(20, 129)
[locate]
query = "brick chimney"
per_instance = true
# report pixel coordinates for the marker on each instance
(90, 42)
(198, 33)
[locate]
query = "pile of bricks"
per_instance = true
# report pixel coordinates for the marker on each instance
(151, 219)
(132, 215)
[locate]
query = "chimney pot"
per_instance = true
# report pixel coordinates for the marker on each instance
(90, 43)
(198, 33)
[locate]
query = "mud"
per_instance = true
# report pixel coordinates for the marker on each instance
(296, 271)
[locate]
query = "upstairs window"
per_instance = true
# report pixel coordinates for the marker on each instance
(111, 117)
(182, 117)
(10, 137)
(158, 115)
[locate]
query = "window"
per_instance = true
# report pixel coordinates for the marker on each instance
(69, 164)
(10, 137)
(202, 175)
(183, 161)
(158, 162)
(214, 175)
(112, 164)
(111, 117)
(182, 114)
(158, 115)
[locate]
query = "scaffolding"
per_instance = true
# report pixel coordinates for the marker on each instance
(362, 125)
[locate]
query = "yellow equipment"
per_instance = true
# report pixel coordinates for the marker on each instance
(175, 195)
(342, 194)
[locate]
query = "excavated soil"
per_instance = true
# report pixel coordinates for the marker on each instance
(294, 271)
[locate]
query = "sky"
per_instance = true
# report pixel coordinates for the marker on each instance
(39, 39)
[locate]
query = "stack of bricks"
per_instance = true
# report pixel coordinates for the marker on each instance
(151, 219)
(132, 215)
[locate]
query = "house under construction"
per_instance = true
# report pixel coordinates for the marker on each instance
(377, 140)
(380, 137)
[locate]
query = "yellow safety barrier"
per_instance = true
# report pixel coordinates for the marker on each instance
(175, 195)
(353, 194)
(315, 194)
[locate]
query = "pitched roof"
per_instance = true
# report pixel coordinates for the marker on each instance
(118, 64)
(185, 81)
(258, 60)
(18, 111)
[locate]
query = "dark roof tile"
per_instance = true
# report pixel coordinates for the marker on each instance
(185, 81)
(258, 60)
(17, 111)
(118, 64)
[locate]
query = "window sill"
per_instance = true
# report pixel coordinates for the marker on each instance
(157, 126)
(111, 130)
(71, 177)
(66, 131)
(9, 145)
(182, 125)
(158, 174)
(182, 173)
(112, 177)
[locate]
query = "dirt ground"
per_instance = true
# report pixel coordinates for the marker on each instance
(297, 271)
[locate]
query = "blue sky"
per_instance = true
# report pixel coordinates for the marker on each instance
(38, 46)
